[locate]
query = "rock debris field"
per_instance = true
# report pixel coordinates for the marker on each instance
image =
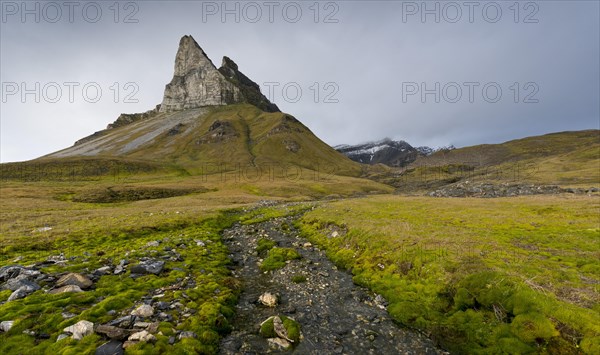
(334, 315)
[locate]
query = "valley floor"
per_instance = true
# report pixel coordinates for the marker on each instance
(475, 275)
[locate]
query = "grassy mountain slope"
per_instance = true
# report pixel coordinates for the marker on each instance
(229, 137)
(564, 158)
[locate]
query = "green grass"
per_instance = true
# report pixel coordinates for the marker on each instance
(264, 244)
(482, 276)
(277, 258)
(213, 298)
(298, 279)
(564, 158)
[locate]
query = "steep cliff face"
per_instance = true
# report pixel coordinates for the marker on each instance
(197, 82)
(250, 90)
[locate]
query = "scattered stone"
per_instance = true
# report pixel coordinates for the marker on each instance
(307, 245)
(80, 329)
(148, 267)
(61, 337)
(268, 299)
(165, 317)
(103, 270)
(200, 243)
(162, 305)
(43, 229)
(65, 289)
(57, 259)
(153, 327)
(143, 336)
(74, 279)
(29, 332)
(113, 347)
(187, 334)
(9, 272)
(112, 332)
(381, 302)
(279, 343)
(123, 322)
(489, 190)
(67, 315)
(325, 305)
(6, 325)
(153, 243)
(21, 282)
(171, 340)
(143, 311)
(280, 329)
(18, 294)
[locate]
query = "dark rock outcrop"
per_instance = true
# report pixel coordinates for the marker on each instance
(249, 89)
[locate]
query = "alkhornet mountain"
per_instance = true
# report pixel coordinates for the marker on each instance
(210, 115)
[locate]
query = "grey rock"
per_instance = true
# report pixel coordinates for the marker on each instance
(148, 267)
(66, 289)
(103, 270)
(13, 271)
(61, 337)
(143, 336)
(57, 259)
(268, 299)
(19, 282)
(187, 334)
(123, 322)
(74, 279)
(280, 329)
(113, 347)
(197, 82)
(112, 332)
(143, 311)
(162, 305)
(380, 301)
(67, 315)
(279, 343)
(18, 294)
(119, 270)
(6, 325)
(80, 329)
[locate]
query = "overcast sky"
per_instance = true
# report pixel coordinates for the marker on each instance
(499, 71)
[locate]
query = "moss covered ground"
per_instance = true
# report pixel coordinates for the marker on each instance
(513, 275)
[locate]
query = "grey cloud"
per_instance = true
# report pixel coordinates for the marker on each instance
(368, 54)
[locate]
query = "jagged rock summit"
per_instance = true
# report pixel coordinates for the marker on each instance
(197, 82)
(211, 120)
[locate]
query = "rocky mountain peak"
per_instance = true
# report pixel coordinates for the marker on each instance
(190, 56)
(197, 82)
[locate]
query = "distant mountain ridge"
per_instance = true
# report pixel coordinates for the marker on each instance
(386, 151)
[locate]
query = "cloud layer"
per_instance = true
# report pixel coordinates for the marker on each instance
(441, 73)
